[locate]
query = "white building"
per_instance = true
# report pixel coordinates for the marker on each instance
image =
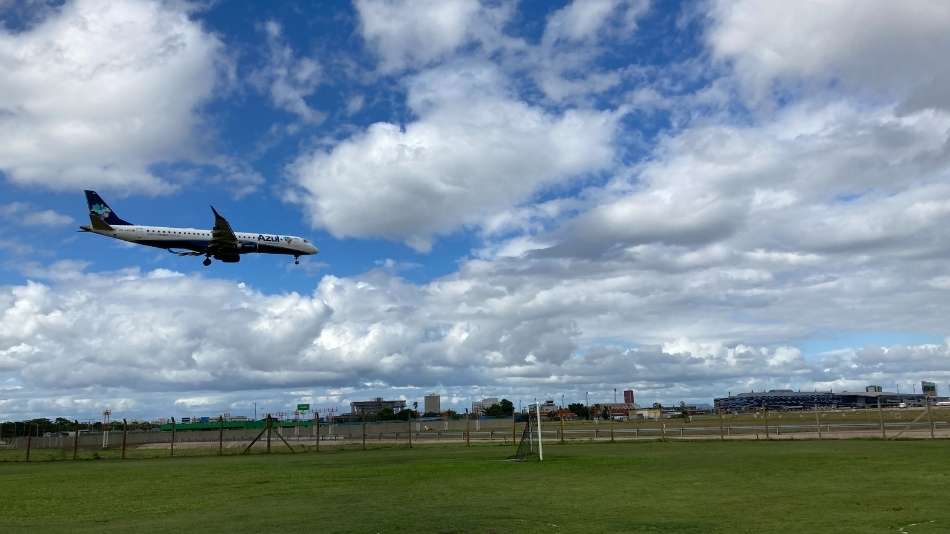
(432, 403)
(479, 407)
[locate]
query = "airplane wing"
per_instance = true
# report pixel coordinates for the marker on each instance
(223, 241)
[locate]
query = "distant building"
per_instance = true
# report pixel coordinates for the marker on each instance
(548, 407)
(373, 407)
(628, 397)
(479, 407)
(433, 403)
(929, 389)
(807, 400)
(650, 413)
(873, 389)
(616, 410)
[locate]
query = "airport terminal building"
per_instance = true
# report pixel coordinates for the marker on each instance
(786, 399)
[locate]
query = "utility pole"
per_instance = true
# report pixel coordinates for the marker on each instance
(929, 417)
(880, 412)
(587, 396)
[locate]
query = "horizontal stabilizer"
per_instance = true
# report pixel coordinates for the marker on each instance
(98, 223)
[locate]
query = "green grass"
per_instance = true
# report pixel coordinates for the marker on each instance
(691, 487)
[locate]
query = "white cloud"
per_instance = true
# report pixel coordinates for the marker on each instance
(99, 91)
(25, 214)
(517, 326)
(415, 33)
(288, 80)
(813, 178)
(474, 151)
(590, 20)
(893, 49)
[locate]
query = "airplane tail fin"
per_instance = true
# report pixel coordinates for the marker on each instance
(97, 223)
(105, 213)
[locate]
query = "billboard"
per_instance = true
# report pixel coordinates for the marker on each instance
(928, 388)
(303, 407)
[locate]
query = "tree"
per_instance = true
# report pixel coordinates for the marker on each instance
(507, 407)
(579, 409)
(493, 411)
(405, 414)
(386, 414)
(605, 414)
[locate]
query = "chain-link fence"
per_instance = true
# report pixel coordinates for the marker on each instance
(121, 440)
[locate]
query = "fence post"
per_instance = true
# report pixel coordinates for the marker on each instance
(880, 413)
(29, 443)
(125, 435)
(270, 426)
(514, 429)
(173, 437)
(818, 422)
(721, 436)
(316, 424)
(76, 439)
(562, 427)
(611, 428)
(220, 435)
(930, 417)
(410, 430)
(364, 431)
(468, 426)
(767, 434)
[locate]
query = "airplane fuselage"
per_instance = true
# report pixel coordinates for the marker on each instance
(198, 240)
(220, 242)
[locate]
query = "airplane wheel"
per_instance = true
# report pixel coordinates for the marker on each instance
(206, 262)
(296, 260)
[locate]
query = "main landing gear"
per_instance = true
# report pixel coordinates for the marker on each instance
(296, 260)
(206, 262)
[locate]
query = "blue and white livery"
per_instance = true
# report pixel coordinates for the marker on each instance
(220, 242)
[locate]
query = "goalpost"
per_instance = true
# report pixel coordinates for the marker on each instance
(526, 446)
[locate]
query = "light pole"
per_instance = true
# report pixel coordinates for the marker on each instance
(587, 396)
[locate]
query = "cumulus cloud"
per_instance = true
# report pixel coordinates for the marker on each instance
(416, 33)
(288, 79)
(814, 178)
(474, 151)
(133, 336)
(25, 214)
(894, 50)
(99, 91)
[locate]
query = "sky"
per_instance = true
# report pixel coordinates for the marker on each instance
(526, 200)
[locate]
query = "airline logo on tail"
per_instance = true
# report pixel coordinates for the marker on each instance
(101, 209)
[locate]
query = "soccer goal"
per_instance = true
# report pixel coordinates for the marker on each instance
(530, 443)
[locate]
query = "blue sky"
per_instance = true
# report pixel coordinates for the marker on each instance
(517, 199)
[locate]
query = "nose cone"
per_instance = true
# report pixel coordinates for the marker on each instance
(312, 249)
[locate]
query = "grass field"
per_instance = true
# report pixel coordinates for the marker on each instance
(695, 487)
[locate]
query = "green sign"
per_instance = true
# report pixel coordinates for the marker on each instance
(303, 407)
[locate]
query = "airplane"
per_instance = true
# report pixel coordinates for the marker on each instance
(221, 242)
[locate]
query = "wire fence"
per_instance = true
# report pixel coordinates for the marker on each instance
(121, 440)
